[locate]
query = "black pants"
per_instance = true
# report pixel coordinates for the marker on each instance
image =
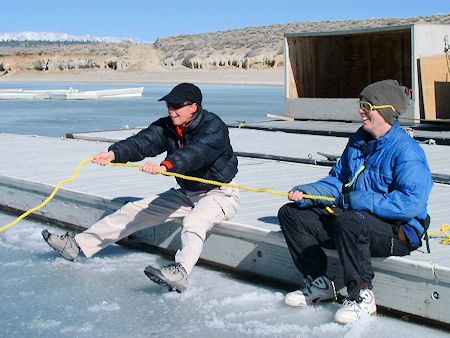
(356, 235)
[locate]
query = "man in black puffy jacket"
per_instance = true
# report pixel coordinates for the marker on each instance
(197, 144)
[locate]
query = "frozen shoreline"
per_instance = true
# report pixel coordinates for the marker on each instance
(46, 296)
(273, 77)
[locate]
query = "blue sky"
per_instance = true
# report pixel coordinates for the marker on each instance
(148, 20)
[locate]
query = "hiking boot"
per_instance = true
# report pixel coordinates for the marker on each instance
(353, 309)
(316, 290)
(65, 244)
(173, 275)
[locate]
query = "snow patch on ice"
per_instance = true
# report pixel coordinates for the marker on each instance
(44, 324)
(104, 306)
(73, 329)
(253, 297)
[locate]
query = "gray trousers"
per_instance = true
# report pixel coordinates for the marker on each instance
(199, 212)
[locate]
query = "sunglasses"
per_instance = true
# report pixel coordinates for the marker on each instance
(177, 106)
(368, 107)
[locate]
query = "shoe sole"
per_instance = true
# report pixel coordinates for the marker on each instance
(295, 304)
(155, 276)
(350, 321)
(314, 301)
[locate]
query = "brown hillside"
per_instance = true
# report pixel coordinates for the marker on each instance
(244, 49)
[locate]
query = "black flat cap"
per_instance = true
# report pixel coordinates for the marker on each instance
(184, 92)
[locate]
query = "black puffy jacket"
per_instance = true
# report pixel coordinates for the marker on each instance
(206, 151)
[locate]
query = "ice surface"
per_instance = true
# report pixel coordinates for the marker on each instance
(42, 295)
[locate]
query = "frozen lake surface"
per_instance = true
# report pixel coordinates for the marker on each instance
(42, 295)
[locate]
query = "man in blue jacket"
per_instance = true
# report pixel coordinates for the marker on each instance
(197, 144)
(381, 184)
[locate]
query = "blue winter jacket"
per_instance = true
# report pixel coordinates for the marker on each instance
(395, 183)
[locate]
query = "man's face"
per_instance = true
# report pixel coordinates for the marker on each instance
(183, 115)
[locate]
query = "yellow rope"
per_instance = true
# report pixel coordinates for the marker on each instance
(330, 211)
(445, 229)
(49, 198)
(185, 177)
(221, 184)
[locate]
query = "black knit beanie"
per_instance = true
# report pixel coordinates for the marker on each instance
(387, 92)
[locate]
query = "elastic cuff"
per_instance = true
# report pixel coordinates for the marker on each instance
(167, 164)
(116, 157)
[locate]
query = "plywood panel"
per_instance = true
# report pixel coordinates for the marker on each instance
(406, 79)
(433, 69)
(305, 68)
(386, 62)
(442, 90)
(292, 68)
(329, 55)
(356, 64)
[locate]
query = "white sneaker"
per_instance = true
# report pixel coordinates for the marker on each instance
(352, 310)
(320, 289)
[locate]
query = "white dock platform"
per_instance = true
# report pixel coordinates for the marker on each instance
(251, 242)
(69, 94)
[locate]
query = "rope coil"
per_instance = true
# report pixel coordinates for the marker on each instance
(445, 230)
(136, 165)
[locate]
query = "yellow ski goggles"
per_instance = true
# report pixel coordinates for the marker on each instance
(368, 107)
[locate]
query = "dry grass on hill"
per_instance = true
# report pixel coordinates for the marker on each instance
(257, 47)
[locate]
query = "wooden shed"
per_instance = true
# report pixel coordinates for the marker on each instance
(325, 71)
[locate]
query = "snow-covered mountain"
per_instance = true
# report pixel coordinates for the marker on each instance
(59, 37)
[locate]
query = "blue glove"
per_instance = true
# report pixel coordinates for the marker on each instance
(343, 201)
